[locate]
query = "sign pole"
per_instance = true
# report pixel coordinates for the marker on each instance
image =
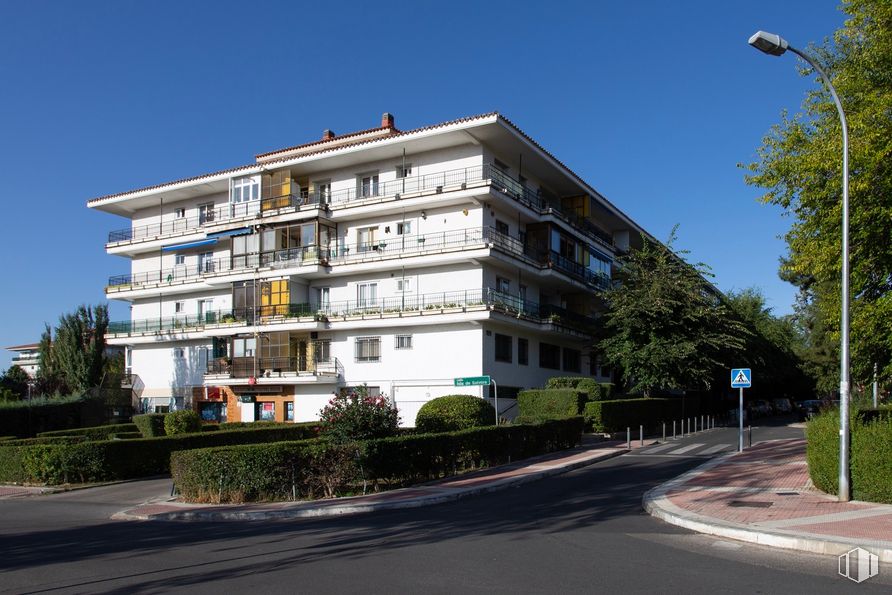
(740, 423)
(496, 398)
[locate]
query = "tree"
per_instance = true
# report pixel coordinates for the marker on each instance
(667, 327)
(15, 380)
(75, 358)
(49, 378)
(799, 166)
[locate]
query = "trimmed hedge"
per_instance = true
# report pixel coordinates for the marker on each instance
(94, 433)
(454, 412)
(27, 419)
(150, 425)
(596, 391)
(286, 470)
(617, 415)
(55, 463)
(182, 422)
(125, 436)
(550, 403)
(870, 455)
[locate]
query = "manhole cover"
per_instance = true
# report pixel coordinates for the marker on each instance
(749, 503)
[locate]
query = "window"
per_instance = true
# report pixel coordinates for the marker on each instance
(243, 347)
(205, 213)
(368, 349)
(180, 212)
(179, 353)
(206, 262)
(242, 247)
(368, 185)
(212, 412)
(572, 360)
(179, 259)
(275, 297)
(404, 285)
(366, 238)
(503, 348)
(322, 190)
(324, 297)
(403, 342)
(523, 351)
(503, 285)
(404, 228)
(366, 294)
(323, 350)
(500, 165)
(245, 189)
(243, 298)
(179, 307)
(549, 356)
(403, 171)
(206, 310)
(289, 411)
(502, 227)
(522, 293)
(265, 411)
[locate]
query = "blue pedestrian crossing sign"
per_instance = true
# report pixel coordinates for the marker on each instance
(741, 378)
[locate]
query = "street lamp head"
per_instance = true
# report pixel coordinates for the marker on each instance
(770, 43)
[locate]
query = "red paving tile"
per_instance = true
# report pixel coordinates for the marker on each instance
(876, 527)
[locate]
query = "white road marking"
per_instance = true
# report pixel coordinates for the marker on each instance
(716, 448)
(660, 447)
(687, 448)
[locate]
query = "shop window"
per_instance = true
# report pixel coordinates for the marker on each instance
(265, 411)
(289, 411)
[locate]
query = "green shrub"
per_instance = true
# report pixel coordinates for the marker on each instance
(125, 436)
(564, 381)
(596, 391)
(870, 455)
(45, 440)
(44, 414)
(242, 425)
(357, 416)
(550, 403)
(311, 468)
(454, 412)
(4, 438)
(88, 461)
(12, 468)
(94, 433)
(182, 422)
(150, 425)
(210, 427)
(617, 415)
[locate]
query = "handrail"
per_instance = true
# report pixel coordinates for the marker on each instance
(431, 303)
(534, 199)
(391, 246)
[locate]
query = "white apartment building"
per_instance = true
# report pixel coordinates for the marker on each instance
(27, 357)
(396, 259)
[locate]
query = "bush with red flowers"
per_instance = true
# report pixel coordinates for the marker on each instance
(357, 416)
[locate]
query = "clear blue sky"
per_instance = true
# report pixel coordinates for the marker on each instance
(653, 102)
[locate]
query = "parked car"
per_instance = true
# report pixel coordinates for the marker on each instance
(759, 408)
(810, 408)
(782, 406)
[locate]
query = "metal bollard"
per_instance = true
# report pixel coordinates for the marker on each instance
(629, 438)
(664, 431)
(750, 432)
(641, 435)
(673, 429)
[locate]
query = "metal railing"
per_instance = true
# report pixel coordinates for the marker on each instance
(534, 199)
(393, 246)
(245, 367)
(428, 303)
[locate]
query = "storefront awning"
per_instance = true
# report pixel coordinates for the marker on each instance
(229, 233)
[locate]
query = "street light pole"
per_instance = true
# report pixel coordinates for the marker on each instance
(775, 45)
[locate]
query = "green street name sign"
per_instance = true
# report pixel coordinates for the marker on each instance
(473, 381)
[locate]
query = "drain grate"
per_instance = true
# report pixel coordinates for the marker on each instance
(750, 503)
(787, 493)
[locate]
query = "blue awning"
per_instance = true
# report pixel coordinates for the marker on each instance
(232, 232)
(189, 245)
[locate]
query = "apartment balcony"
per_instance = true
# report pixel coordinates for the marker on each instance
(391, 247)
(335, 313)
(438, 182)
(300, 369)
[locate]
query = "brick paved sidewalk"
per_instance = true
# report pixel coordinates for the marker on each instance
(764, 495)
(445, 490)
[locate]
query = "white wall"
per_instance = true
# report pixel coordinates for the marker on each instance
(162, 374)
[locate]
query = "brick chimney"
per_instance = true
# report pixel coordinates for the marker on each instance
(387, 120)
(328, 134)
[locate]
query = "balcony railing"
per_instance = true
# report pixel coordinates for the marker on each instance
(245, 367)
(517, 190)
(393, 246)
(421, 304)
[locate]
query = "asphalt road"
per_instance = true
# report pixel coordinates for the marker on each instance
(581, 532)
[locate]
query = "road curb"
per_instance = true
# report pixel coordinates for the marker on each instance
(310, 511)
(658, 505)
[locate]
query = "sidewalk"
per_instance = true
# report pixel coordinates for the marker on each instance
(763, 495)
(446, 490)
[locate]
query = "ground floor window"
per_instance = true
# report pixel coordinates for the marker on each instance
(265, 411)
(368, 349)
(549, 356)
(215, 412)
(572, 360)
(289, 411)
(162, 408)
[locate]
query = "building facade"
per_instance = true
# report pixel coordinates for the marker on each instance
(27, 357)
(395, 259)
